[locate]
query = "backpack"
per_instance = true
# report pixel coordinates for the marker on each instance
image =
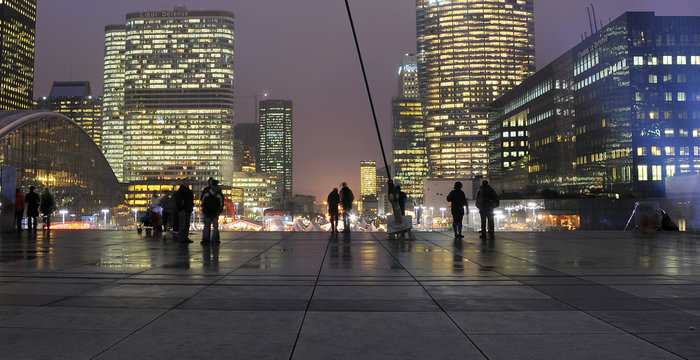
(211, 205)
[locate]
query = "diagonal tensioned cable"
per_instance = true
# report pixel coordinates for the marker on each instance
(369, 94)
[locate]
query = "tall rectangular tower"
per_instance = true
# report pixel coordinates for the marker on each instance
(275, 126)
(408, 137)
(177, 105)
(469, 53)
(17, 34)
(74, 99)
(368, 177)
(113, 99)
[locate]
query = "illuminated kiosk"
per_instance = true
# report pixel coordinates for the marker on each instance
(48, 149)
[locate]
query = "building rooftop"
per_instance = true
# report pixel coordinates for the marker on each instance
(559, 295)
(70, 89)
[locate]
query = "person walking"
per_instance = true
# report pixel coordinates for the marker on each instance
(458, 203)
(184, 199)
(486, 201)
(333, 201)
(47, 207)
(19, 208)
(32, 201)
(212, 200)
(346, 198)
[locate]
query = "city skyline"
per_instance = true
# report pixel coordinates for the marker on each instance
(302, 64)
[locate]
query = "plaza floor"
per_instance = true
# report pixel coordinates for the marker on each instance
(565, 295)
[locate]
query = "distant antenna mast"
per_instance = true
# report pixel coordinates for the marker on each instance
(590, 24)
(594, 19)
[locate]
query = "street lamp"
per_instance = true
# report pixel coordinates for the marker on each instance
(63, 213)
(105, 211)
(442, 216)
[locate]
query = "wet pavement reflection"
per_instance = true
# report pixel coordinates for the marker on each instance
(291, 295)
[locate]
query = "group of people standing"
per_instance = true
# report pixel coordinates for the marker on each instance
(486, 201)
(335, 198)
(177, 211)
(34, 204)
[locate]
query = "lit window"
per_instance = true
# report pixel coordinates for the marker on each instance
(638, 60)
(669, 132)
(652, 61)
(667, 60)
(642, 172)
(652, 79)
(641, 151)
(684, 151)
(670, 170)
(695, 60)
(656, 172)
(680, 96)
(670, 150)
(683, 132)
(696, 150)
(680, 60)
(668, 96)
(655, 151)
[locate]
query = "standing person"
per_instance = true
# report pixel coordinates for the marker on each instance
(458, 204)
(212, 205)
(32, 200)
(169, 211)
(47, 207)
(19, 208)
(346, 198)
(333, 201)
(184, 200)
(155, 214)
(402, 200)
(486, 201)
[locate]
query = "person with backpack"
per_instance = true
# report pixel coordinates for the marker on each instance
(458, 203)
(486, 201)
(212, 200)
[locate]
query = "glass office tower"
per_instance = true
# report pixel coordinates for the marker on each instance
(17, 34)
(177, 105)
(408, 137)
(617, 114)
(470, 52)
(275, 131)
(113, 98)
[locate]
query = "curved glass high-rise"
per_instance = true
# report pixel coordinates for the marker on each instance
(17, 34)
(176, 98)
(470, 52)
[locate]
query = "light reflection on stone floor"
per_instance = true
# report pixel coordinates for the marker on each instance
(566, 295)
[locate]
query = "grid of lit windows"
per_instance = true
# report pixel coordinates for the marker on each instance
(275, 128)
(17, 25)
(368, 177)
(176, 109)
(469, 53)
(113, 99)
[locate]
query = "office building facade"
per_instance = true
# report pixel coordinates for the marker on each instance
(177, 101)
(113, 98)
(617, 114)
(275, 152)
(409, 151)
(74, 99)
(246, 137)
(17, 36)
(470, 52)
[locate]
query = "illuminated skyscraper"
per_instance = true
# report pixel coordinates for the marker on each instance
(74, 99)
(276, 143)
(469, 53)
(17, 33)
(408, 140)
(177, 101)
(113, 99)
(368, 177)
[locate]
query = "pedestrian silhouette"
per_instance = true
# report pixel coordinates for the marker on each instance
(32, 200)
(212, 200)
(333, 201)
(458, 203)
(486, 201)
(19, 208)
(47, 207)
(346, 198)
(184, 200)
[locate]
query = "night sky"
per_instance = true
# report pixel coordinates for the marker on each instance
(303, 50)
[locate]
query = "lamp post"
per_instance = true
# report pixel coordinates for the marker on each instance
(105, 211)
(415, 211)
(63, 213)
(432, 218)
(442, 217)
